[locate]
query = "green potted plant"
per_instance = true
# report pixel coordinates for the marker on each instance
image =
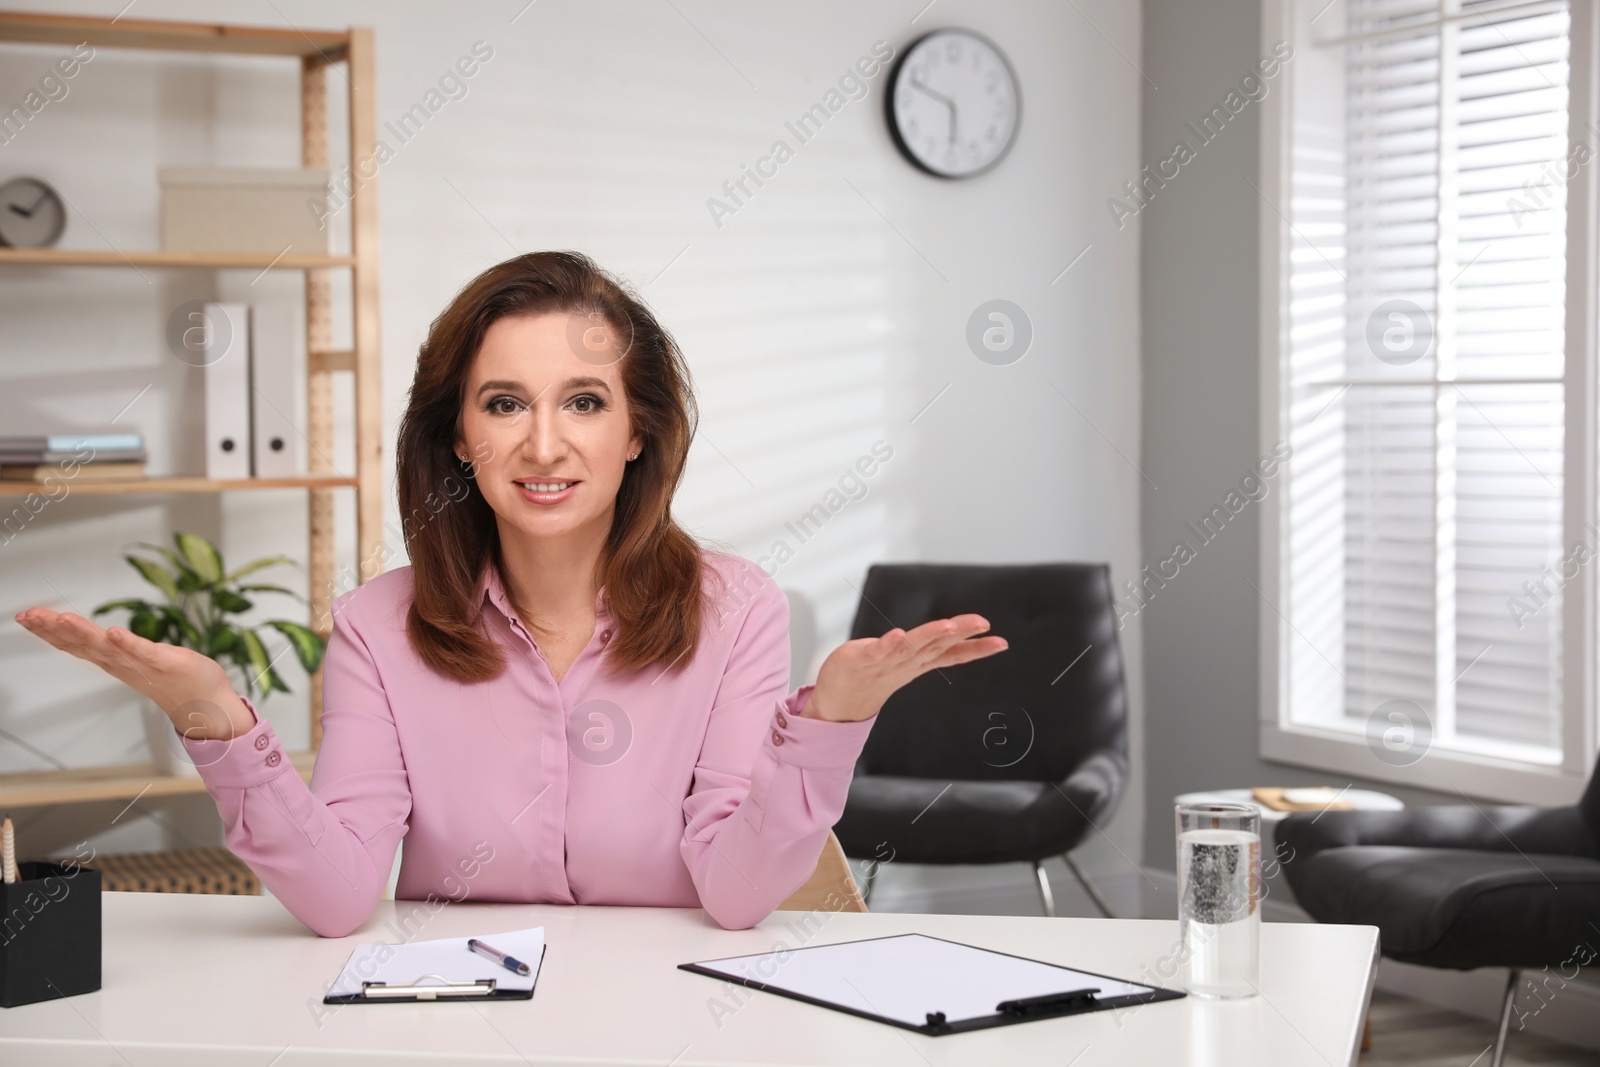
(199, 596)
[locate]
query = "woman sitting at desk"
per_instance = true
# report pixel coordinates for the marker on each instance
(564, 698)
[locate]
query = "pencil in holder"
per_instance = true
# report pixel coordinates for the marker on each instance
(49, 933)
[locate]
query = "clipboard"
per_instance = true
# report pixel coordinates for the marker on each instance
(441, 969)
(929, 984)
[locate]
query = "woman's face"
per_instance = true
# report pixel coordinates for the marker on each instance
(547, 429)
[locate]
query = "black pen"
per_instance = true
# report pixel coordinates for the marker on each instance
(514, 965)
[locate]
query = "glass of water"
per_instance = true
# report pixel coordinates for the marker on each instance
(1219, 898)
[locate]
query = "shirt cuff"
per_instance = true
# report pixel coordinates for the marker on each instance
(815, 743)
(251, 758)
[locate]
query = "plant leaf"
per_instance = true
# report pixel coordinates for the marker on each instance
(259, 565)
(123, 605)
(221, 639)
(155, 574)
(202, 555)
(308, 644)
(275, 682)
(229, 601)
(256, 662)
(149, 625)
(270, 589)
(187, 633)
(178, 564)
(240, 657)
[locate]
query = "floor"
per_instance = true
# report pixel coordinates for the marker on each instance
(1421, 1035)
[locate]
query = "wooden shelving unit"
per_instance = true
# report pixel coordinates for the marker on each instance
(314, 51)
(70, 257)
(91, 487)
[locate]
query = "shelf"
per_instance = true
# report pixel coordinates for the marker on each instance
(120, 781)
(350, 50)
(331, 45)
(81, 483)
(73, 257)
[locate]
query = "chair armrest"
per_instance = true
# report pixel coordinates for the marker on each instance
(1096, 786)
(1553, 831)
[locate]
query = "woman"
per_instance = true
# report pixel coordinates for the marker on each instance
(563, 699)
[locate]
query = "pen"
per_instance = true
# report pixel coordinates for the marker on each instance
(514, 965)
(8, 852)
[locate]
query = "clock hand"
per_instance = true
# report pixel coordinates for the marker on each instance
(945, 100)
(35, 205)
(26, 213)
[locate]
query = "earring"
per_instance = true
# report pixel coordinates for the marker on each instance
(634, 456)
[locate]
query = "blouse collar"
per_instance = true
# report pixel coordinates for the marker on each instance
(491, 587)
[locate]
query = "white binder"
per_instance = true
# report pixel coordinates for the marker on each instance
(275, 451)
(227, 371)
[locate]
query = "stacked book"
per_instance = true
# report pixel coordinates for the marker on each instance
(95, 456)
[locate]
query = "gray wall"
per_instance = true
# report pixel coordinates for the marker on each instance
(1199, 307)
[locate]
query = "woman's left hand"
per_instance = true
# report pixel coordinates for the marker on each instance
(858, 676)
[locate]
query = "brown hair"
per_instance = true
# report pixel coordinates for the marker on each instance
(651, 568)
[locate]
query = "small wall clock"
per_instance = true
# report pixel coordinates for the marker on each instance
(953, 106)
(31, 214)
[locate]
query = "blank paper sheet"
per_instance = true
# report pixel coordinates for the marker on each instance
(905, 977)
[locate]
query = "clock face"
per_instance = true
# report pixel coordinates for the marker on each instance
(31, 214)
(953, 104)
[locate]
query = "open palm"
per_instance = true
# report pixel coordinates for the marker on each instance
(859, 675)
(191, 688)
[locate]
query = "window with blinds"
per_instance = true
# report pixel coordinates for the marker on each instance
(1424, 374)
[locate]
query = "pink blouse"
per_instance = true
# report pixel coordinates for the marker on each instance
(700, 788)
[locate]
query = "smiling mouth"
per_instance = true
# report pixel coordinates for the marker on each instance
(546, 487)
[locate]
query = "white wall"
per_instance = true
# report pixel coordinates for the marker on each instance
(827, 313)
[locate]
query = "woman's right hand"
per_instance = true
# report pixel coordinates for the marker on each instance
(191, 688)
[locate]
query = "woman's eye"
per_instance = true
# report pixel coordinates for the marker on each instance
(504, 405)
(595, 403)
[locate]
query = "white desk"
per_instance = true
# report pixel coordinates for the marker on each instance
(214, 980)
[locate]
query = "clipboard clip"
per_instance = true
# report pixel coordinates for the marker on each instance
(1049, 1003)
(482, 987)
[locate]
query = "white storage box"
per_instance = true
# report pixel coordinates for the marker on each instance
(244, 210)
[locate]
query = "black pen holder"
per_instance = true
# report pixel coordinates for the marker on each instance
(49, 933)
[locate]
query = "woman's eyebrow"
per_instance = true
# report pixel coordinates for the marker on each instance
(507, 386)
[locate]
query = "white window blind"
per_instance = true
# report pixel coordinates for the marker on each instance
(1423, 374)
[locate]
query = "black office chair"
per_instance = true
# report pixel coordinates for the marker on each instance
(1458, 886)
(1012, 758)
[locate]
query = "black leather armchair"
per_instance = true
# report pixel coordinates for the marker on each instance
(1012, 758)
(1459, 886)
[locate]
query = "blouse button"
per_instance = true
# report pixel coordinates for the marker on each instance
(781, 720)
(777, 738)
(274, 758)
(605, 635)
(263, 741)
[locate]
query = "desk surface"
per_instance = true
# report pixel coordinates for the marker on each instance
(238, 980)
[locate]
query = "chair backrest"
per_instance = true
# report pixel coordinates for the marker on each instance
(1589, 804)
(1033, 712)
(829, 885)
